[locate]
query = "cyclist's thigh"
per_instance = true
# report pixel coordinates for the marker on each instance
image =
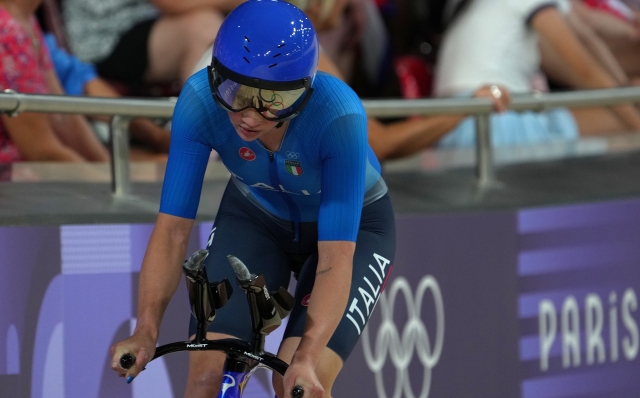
(375, 250)
(250, 235)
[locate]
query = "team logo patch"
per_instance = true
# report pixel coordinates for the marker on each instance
(247, 154)
(293, 167)
(305, 300)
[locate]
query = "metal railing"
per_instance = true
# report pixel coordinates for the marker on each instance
(124, 109)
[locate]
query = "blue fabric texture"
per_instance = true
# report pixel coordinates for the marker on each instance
(322, 172)
(72, 72)
(513, 128)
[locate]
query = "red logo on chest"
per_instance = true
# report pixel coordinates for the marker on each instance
(305, 300)
(247, 154)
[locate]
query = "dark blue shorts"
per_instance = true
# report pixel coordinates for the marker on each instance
(268, 248)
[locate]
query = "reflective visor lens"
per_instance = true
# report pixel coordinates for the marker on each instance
(275, 105)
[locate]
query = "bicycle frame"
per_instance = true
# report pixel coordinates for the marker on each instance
(242, 357)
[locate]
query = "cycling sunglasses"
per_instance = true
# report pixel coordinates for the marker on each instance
(273, 100)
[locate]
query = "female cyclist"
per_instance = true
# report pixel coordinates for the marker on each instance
(305, 197)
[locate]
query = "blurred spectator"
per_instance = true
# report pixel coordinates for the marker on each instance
(25, 67)
(396, 139)
(617, 23)
(616, 8)
(406, 137)
(80, 78)
(554, 66)
(558, 73)
(505, 52)
(143, 41)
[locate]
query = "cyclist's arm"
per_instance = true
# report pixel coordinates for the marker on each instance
(159, 278)
(161, 267)
(161, 271)
(343, 150)
(328, 298)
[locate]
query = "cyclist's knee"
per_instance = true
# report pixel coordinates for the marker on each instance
(203, 384)
(205, 373)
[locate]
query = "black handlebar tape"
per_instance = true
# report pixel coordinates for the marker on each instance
(297, 392)
(127, 360)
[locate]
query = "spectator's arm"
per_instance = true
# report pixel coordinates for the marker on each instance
(73, 130)
(409, 136)
(554, 29)
(597, 47)
(172, 7)
(555, 67)
(34, 137)
(605, 24)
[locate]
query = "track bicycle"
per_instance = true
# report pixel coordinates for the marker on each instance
(267, 309)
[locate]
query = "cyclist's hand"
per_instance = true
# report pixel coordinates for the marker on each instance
(302, 374)
(140, 346)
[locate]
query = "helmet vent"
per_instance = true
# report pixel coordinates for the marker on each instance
(245, 58)
(247, 39)
(281, 45)
(272, 65)
(277, 55)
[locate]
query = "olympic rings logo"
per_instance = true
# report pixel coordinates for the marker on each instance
(414, 337)
(292, 155)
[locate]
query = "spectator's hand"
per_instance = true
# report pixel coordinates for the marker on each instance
(141, 346)
(500, 96)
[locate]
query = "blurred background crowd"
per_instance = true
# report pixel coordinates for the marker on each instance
(382, 48)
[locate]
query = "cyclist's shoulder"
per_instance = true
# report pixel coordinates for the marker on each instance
(333, 105)
(328, 89)
(196, 110)
(197, 88)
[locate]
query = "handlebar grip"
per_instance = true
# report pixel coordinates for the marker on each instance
(297, 392)
(127, 360)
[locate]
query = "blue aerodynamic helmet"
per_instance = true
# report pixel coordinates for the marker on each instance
(265, 57)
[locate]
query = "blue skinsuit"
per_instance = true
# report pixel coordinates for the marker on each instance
(324, 170)
(323, 183)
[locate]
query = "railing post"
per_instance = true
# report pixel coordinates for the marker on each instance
(485, 168)
(120, 174)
